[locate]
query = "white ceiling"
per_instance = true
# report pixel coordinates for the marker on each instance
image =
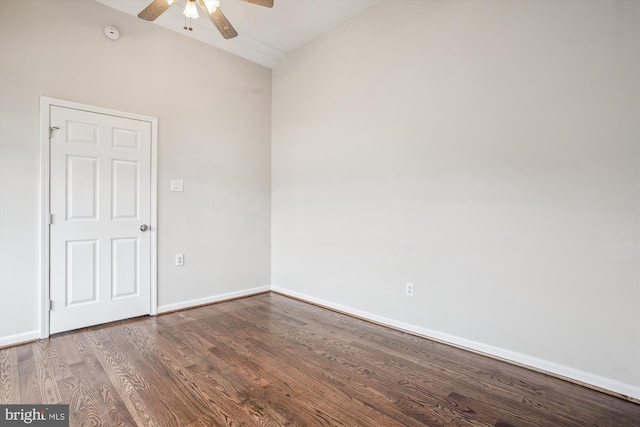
(265, 35)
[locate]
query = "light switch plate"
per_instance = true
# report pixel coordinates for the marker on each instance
(177, 185)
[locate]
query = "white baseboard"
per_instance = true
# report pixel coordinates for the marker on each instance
(211, 299)
(25, 337)
(478, 347)
(19, 338)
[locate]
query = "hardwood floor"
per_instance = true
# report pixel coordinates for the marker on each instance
(270, 360)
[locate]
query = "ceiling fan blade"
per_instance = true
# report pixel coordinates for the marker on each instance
(155, 9)
(220, 21)
(265, 3)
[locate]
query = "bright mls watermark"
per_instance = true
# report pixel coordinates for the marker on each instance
(34, 415)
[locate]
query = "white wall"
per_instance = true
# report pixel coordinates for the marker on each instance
(486, 151)
(214, 133)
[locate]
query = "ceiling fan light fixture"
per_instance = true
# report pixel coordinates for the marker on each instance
(190, 10)
(212, 5)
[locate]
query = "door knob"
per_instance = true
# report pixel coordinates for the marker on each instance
(144, 227)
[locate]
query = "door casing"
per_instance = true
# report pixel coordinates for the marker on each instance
(45, 175)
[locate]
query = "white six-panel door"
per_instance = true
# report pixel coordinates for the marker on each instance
(100, 257)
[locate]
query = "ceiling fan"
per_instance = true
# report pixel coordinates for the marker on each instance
(209, 7)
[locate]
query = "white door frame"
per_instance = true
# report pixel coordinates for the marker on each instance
(45, 175)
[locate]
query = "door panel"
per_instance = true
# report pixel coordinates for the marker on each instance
(81, 133)
(125, 189)
(100, 194)
(82, 188)
(124, 139)
(82, 267)
(124, 267)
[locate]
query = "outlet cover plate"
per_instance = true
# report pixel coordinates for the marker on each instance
(409, 289)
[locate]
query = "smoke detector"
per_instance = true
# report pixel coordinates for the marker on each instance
(111, 32)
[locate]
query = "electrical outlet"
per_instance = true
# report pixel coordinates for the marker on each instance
(410, 289)
(179, 259)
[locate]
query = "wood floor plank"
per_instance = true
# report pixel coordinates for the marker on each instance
(251, 384)
(326, 385)
(205, 393)
(92, 400)
(91, 395)
(339, 358)
(67, 349)
(168, 408)
(46, 367)
(30, 390)
(360, 384)
(126, 378)
(9, 385)
(291, 370)
(269, 360)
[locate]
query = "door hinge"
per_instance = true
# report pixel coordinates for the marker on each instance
(51, 129)
(50, 219)
(50, 305)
